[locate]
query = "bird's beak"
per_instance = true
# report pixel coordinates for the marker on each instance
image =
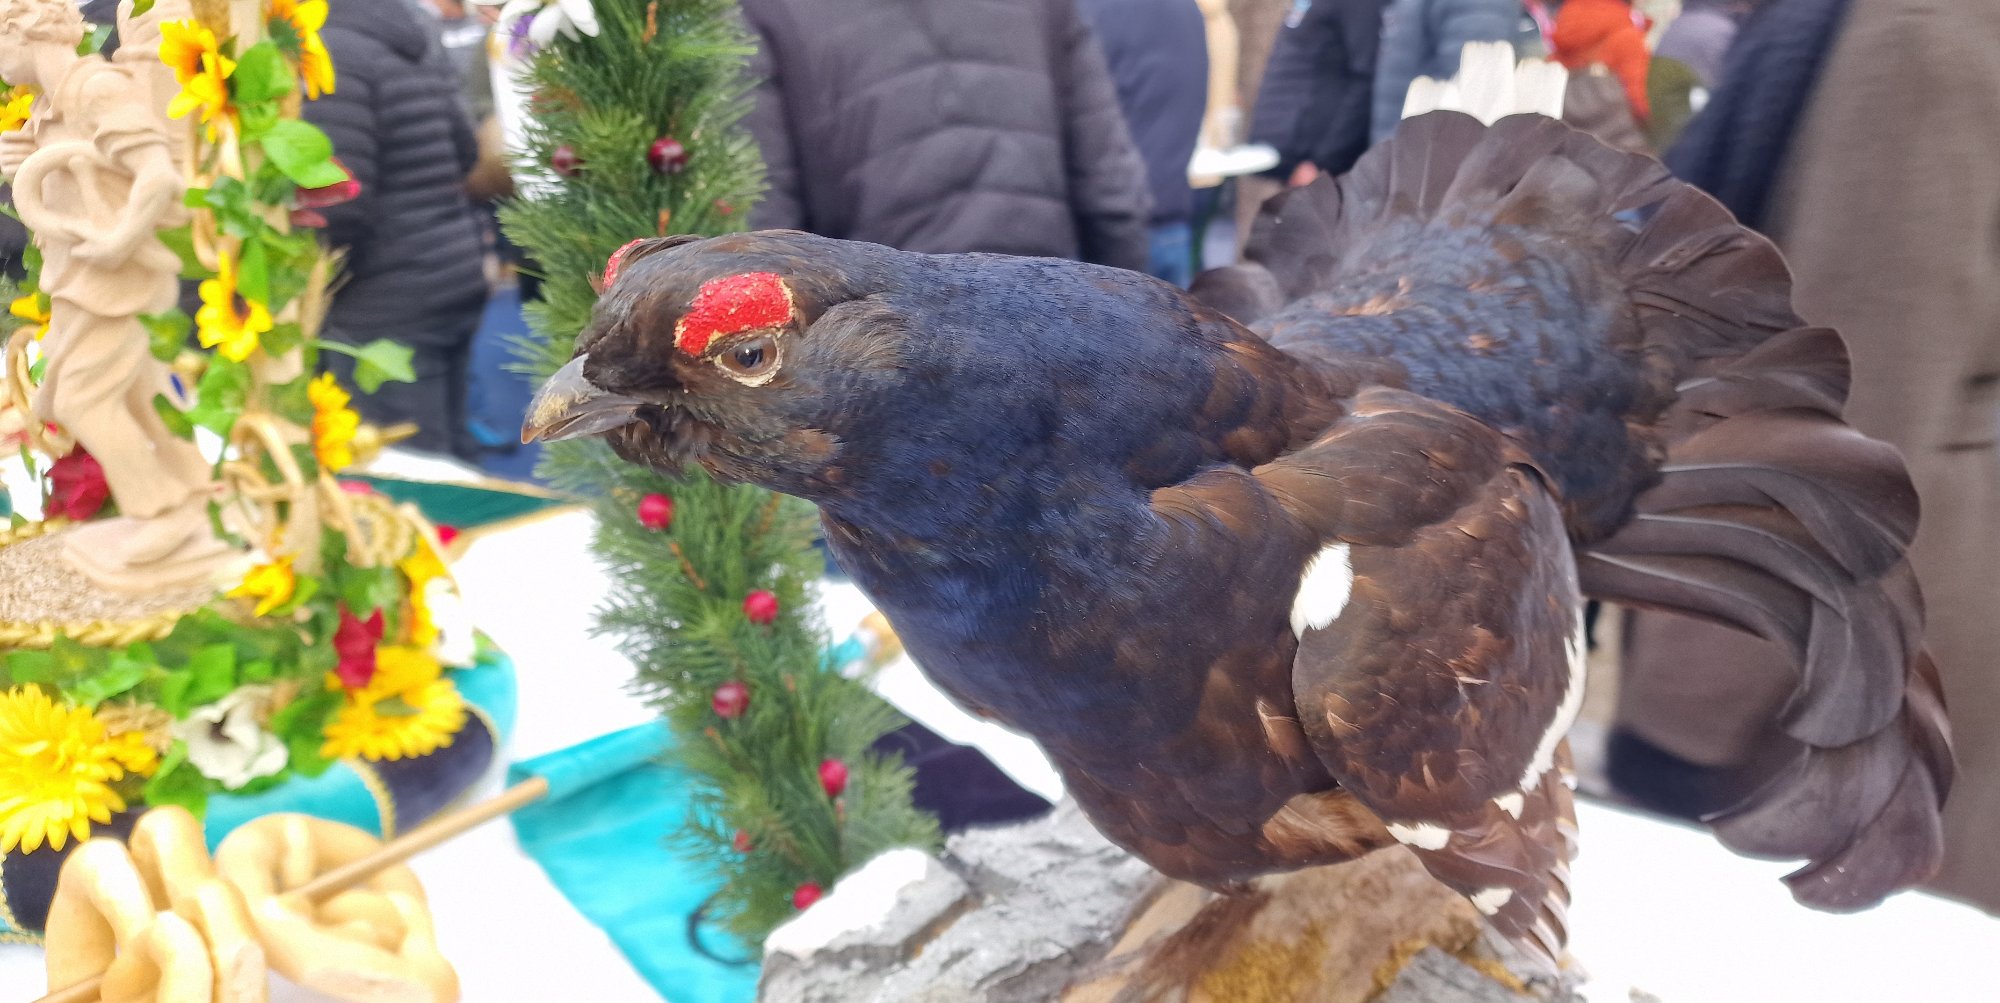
(569, 406)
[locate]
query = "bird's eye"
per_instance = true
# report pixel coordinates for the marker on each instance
(751, 361)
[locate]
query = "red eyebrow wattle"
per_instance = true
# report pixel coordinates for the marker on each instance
(726, 306)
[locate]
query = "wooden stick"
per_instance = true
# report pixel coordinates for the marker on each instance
(354, 872)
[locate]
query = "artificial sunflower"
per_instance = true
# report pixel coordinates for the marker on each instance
(182, 46)
(295, 25)
(272, 585)
(57, 766)
(408, 709)
(333, 424)
(202, 70)
(15, 105)
(227, 321)
(33, 309)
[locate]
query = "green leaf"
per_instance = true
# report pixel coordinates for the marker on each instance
(303, 152)
(125, 670)
(30, 667)
(93, 40)
(213, 670)
(378, 362)
(307, 586)
(140, 7)
(261, 75)
(219, 398)
(174, 693)
(178, 782)
(302, 724)
(282, 338)
(180, 240)
(168, 332)
(258, 119)
(173, 417)
(253, 273)
(364, 589)
(260, 671)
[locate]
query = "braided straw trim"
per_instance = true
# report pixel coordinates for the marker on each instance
(95, 634)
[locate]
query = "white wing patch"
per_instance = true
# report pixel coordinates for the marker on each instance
(1490, 900)
(1511, 803)
(1572, 701)
(1323, 589)
(1423, 835)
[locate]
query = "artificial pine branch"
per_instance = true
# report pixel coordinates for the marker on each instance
(675, 68)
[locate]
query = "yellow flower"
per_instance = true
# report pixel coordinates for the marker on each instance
(333, 424)
(226, 319)
(57, 765)
(270, 584)
(422, 567)
(295, 25)
(190, 50)
(408, 709)
(182, 46)
(14, 108)
(31, 309)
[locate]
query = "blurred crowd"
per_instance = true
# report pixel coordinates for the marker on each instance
(1857, 133)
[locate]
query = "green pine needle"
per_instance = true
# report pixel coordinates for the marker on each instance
(607, 99)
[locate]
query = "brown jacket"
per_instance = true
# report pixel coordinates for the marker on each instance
(1888, 208)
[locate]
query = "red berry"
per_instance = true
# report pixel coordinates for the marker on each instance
(667, 155)
(833, 776)
(446, 534)
(805, 896)
(741, 841)
(565, 161)
(730, 699)
(761, 607)
(656, 512)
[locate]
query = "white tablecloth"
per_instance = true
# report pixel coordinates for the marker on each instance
(1658, 907)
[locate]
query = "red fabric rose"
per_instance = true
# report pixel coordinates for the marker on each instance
(355, 642)
(77, 489)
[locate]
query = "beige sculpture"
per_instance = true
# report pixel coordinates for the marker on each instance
(162, 923)
(95, 178)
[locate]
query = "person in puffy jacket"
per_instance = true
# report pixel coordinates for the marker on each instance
(1315, 106)
(1157, 51)
(1608, 33)
(413, 269)
(945, 125)
(1423, 38)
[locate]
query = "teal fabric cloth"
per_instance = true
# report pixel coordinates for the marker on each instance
(602, 836)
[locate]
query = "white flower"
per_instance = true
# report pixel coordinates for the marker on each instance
(225, 742)
(457, 641)
(550, 16)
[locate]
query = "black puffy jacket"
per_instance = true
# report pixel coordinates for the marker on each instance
(1317, 96)
(945, 125)
(413, 242)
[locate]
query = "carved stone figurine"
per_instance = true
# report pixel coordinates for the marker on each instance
(95, 178)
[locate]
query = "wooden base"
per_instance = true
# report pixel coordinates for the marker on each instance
(1328, 935)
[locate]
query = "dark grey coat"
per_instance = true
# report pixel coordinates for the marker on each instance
(413, 243)
(945, 125)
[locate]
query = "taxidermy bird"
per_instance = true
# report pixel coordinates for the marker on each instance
(1283, 582)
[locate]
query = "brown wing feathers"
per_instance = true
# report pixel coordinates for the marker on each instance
(1438, 692)
(1773, 516)
(1747, 500)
